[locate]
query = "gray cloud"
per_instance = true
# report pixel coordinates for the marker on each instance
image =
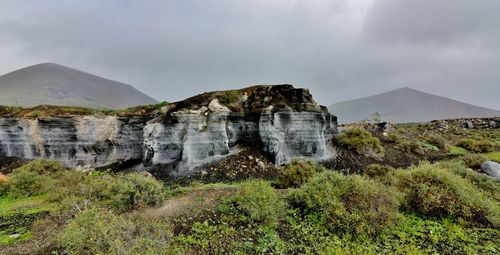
(341, 49)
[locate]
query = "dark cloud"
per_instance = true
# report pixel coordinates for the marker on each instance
(341, 49)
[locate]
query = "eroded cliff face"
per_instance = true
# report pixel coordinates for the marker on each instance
(282, 121)
(83, 141)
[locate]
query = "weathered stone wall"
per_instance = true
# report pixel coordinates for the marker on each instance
(75, 141)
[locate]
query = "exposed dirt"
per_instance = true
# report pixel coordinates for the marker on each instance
(249, 163)
(7, 165)
(195, 200)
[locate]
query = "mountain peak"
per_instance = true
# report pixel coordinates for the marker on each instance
(406, 89)
(407, 105)
(55, 84)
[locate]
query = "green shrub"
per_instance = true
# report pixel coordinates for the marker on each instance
(228, 97)
(473, 161)
(361, 141)
(347, 204)
(434, 191)
(259, 202)
(377, 170)
(98, 231)
(297, 172)
(437, 141)
(117, 192)
(477, 146)
(110, 191)
(482, 182)
(24, 182)
(32, 178)
(413, 146)
(393, 138)
(43, 166)
(147, 190)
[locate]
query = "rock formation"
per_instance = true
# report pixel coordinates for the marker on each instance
(283, 121)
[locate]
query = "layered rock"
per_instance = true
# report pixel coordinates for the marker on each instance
(282, 121)
(85, 141)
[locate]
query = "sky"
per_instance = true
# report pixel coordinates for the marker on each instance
(340, 49)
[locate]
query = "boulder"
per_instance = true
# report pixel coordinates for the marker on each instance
(383, 127)
(468, 124)
(491, 168)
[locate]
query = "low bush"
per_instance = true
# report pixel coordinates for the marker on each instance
(482, 182)
(434, 191)
(477, 146)
(119, 193)
(228, 97)
(297, 172)
(377, 170)
(98, 231)
(361, 141)
(437, 141)
(392, 138)
(24, 182)
(473, 161)
(43, 166)
(147, 190)
(258, 201)
(416, 147)
(32, 178)
(347, 204)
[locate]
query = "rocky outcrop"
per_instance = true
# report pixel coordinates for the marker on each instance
(284, 122)
(83, 141)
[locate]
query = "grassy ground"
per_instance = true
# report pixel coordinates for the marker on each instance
(495, 156)
(18, 215)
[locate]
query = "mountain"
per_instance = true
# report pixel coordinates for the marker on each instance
(55, 84)
(407, 105)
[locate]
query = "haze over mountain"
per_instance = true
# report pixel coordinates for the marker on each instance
(406, 105)
(54, 84)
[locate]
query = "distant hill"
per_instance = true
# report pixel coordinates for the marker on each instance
(54, 84)
(407, 105)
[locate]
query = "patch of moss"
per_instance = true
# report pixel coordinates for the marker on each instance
(495, 156)
(455, 150)
(25, 205)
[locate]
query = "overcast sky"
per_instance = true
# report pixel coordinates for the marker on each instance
(340, 49)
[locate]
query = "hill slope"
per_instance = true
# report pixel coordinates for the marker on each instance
(54, 84)
(407, 105)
